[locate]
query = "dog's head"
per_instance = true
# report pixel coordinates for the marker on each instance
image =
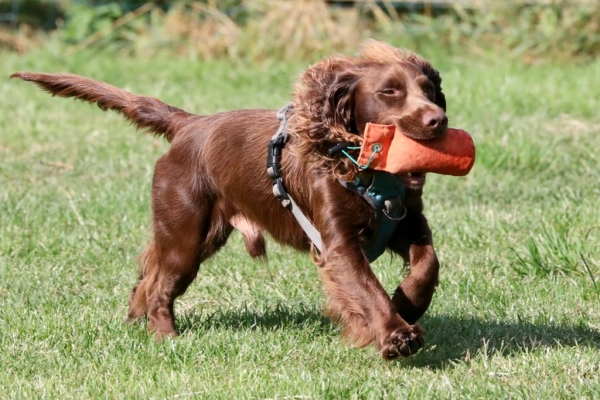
(337, 97)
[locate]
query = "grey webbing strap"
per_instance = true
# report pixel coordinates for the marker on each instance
(276, 144)
(282, 117)
(308, 228)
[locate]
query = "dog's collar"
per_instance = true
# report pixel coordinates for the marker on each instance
(383, 192)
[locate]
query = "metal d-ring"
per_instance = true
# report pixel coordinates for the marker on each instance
(404, 212)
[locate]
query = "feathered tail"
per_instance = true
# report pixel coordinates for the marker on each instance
(145, 112)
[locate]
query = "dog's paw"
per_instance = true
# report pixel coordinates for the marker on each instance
(403, 342)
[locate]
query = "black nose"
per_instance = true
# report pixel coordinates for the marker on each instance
(434, 119)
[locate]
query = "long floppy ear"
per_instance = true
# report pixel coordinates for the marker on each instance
(339, 106)
(323, 104)
(436, 79)
(433, 75)
(323, 114)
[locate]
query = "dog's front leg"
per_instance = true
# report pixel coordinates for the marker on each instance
(357, 299)
(413, 241)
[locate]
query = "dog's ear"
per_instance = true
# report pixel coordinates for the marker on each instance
(433, 75)
(324, 103)
(339, 106)
(436, 79)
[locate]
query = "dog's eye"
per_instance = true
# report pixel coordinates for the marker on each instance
(389, 92)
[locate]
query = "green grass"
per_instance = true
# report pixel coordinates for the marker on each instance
(516, 313)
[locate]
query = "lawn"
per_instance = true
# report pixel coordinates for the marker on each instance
(516, 314)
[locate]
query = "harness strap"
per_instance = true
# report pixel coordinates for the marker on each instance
(278, 141)
(308, 228)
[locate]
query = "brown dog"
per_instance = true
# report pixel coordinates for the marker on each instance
(205, 186)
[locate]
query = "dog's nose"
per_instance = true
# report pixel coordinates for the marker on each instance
(434, 119)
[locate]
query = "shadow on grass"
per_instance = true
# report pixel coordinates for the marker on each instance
(448, 340)
(278, 317)
(452, 339)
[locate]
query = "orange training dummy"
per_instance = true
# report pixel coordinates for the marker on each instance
(386, 149)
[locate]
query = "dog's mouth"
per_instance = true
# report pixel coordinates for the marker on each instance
(413, 180)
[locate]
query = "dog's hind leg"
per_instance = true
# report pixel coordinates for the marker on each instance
(188, 228)
(138, 301)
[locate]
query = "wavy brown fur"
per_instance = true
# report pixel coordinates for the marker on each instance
(204, 187)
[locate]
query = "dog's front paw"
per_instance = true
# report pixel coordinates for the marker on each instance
(403, 342)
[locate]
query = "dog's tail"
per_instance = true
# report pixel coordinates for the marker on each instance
(145, 112)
